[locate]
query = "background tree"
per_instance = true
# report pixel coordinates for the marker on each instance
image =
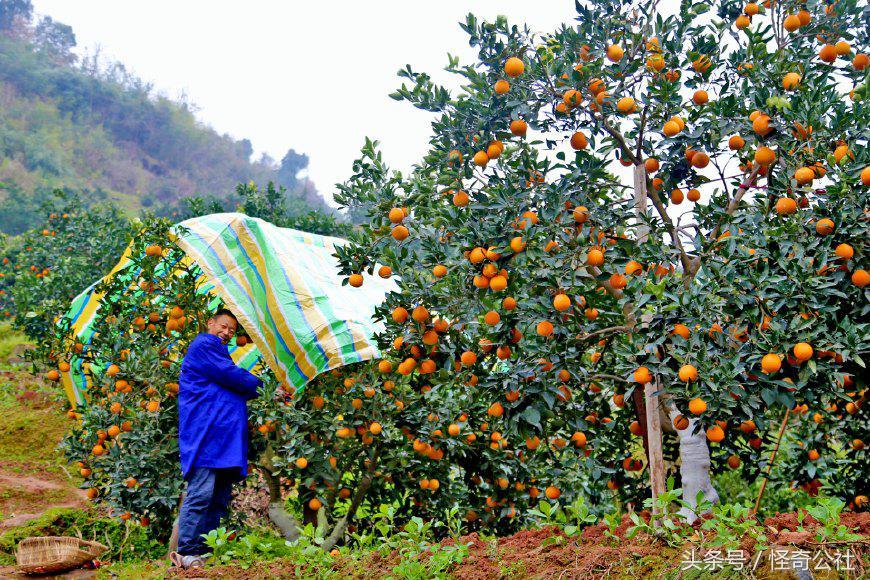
(14, 13)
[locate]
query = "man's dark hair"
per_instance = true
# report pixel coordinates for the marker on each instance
(225, 312)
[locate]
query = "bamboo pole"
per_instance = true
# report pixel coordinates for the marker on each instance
(770, 463)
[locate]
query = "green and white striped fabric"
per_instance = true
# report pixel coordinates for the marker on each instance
(282, 284)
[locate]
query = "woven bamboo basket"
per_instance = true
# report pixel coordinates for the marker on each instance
(52, 554)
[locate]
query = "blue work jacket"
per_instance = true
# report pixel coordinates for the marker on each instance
(212, 407)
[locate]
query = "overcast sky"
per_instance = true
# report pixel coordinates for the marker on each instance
(314, 76)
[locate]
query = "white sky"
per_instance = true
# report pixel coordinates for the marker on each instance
(314, 76)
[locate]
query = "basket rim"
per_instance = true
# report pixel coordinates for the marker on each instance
(61, 539)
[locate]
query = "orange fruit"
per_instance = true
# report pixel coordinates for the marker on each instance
(400, 315)
(480, 158)
(681, 422)
(786, 206)
(861, 61)
(733, 462)
(375, 428)
(642, 375)
(651, 165)
(501, 87)
(742, 22)
(514, 67)
(677, 197)
(844, 251)
(765, 156)
(579, 141)
(498, 283)
(355, 280)
(572, 98)
(736, 143)
(420, 314)
(770, 363)
(697, 406)
(544, 328)
(671, 128)
(552, 492)
(700, 97)
(791, 81)
(824, 227)
(518, 127)
(396, 215)
(791, 22)
(492, 318)
(400, 233)
(693, 195)
(828, 53)
(803, 17)
(626, 105)
(748, 426)
(301, 463)
(688, 373)
(700, 160)
(495, 410)
(595, 257)
(315, 504)
(615, 52)
(561, 302)
(581, 214)
(860, 278)
(804, 175)
(813, 455)
(715, 434)
(802, 351)
(681, 330)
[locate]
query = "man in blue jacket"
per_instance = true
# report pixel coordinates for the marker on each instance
(212, 434)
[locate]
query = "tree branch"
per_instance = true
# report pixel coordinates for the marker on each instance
(361, 490)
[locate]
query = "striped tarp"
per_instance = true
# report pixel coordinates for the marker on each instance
(282, 284)
(284, 287)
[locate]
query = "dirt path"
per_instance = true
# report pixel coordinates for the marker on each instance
(33, 474)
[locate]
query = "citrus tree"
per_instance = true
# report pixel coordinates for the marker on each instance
(677, 200)
(43, 269)
(673, 200)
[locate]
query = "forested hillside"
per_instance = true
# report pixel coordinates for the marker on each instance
(85, 125)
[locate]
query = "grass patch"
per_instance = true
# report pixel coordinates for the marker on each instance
(9, 340)
(30, 430)
(126, 540)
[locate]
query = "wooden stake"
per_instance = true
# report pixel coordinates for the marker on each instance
(651, 400)
(770, 463)
(654, 436)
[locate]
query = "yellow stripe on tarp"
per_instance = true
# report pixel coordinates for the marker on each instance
(266, 345)
(312, 314)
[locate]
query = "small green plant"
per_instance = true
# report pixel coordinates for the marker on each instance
(612, 520)
(731, 523)
(668, 527)
(572, 519)
(827, 512)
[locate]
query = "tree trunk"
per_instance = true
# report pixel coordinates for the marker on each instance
(694, 464)
(277, 514)
(362, 488)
